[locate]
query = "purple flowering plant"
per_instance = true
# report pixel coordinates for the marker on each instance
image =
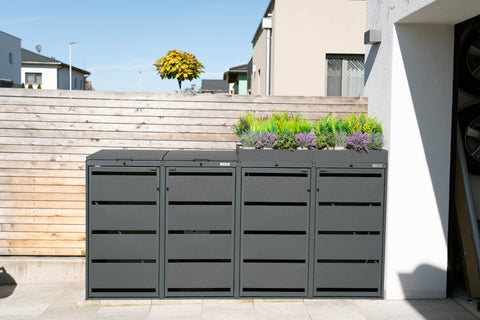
(306, 140)
(358, 142)
(267, 140)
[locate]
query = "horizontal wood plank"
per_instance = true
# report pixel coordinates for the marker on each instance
(39, 188)
(149, 96)
(42, 243)
(42, 251)
(8, 172)
(42, 212)
(42, 204)
(207, 111)
(41, 220)
(61, 157)
(50, 196)
(113, 143)
(75, 236)
(42, 181)
(117, 119)
(83, 150)
(22, 164)
(25, 227)
(62, 127)
(117, 135)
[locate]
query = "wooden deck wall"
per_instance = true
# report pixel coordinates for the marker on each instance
(46, 135)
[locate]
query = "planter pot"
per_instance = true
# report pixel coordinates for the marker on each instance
(338, 158)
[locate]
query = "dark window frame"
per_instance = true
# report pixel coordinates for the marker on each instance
(345, 58)
(37, 76)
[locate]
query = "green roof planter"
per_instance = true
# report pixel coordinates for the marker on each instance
(357, 132)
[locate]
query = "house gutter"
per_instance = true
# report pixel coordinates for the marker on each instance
(259, 28)
(267, 25)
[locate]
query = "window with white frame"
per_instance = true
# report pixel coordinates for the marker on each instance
(33, 78)
(345, 73)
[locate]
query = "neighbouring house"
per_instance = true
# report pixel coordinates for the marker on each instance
(422, 63)
(10, 60)
(50, 73)
(237, 79)
(214, 87)
(309, 48)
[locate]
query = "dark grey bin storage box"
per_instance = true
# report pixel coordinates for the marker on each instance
(123, 202)
(275, 218)
(349, 227)
(200, 220)
(250, 223)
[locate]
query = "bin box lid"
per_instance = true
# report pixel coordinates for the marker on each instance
(134, 155)
(201, 156)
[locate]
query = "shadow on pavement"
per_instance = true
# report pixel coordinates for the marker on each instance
(7, 284)
(428, 303)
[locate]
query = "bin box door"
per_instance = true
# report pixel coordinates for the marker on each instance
(123, 232)
(199, 238)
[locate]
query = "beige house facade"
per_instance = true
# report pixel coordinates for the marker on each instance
(316, 49)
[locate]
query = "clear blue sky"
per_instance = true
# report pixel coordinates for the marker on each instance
(118, 39)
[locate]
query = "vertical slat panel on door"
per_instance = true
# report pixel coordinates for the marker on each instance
(275, 206)
(123, 232)
(349, 232)
(199, 237)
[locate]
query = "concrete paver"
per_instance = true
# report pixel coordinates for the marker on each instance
(67, 301)
(280, 310)
(174, 312)
(123, 312)
(336, 310)
(227, 309)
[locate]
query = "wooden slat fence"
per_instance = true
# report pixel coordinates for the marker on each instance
(46, 135)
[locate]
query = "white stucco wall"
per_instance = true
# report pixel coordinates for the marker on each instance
(49, 76)
(409, 84)
(419, 177)
(11, 71)
(54, 78)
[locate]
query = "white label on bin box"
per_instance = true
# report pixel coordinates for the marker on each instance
(377, 165)
(224, 164)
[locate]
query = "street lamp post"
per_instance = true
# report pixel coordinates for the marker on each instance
(70, 63)
(140, 81)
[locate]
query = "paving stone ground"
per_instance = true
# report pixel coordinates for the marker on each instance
(67, 301)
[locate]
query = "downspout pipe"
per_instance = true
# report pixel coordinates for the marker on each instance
(472, 217)
(267, 25)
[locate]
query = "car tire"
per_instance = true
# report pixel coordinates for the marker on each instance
(469, 59)
(469, 120)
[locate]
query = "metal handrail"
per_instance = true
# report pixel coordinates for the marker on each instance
(468, 196)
